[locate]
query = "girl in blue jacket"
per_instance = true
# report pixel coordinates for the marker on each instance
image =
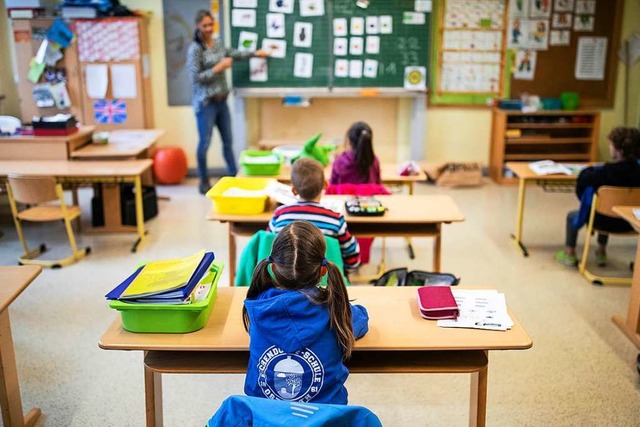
(300, 333)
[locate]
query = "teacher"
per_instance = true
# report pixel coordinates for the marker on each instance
(207, 63)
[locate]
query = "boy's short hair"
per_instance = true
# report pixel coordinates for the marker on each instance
(307, 177)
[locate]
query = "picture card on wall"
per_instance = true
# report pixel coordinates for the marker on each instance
(518, 30)
(560, 38)
(525, 67)
(123, 81)
(538, 35)
(373, 45)
(302, 34)
(413, 18)
(386, 24)
(372, 24)
(303, 65)
(341, 68)
(282, 6)
(562, 20)
(311, 7)
(519, 8)
(584, 22)
(586, 6)
(415, 78)
(540, 9)
(370, 68)
(247, 41)
(245, 3)
(423, 5)
(356, 45)
(243, 18)
(355, 68)
(275, 25)
(563, 6)
(340, 46)
(258, 71)
(275, 48)
(357, 26)
(340, 27)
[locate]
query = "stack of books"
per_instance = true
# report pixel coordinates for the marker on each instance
(171, 281)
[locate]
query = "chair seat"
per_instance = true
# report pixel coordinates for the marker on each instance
(48, 213)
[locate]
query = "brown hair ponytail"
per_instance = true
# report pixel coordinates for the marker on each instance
(337, 301)
(260, 282)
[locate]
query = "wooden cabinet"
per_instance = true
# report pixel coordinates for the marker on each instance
(117, 44)
(563, 136)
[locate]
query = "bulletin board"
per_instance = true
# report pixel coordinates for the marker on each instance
(469, 51)
(348, 45)
(555, 69)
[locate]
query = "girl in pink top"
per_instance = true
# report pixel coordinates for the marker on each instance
(358, 164)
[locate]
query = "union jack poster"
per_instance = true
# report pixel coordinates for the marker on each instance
(110, 111)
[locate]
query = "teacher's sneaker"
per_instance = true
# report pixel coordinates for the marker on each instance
(565, 259)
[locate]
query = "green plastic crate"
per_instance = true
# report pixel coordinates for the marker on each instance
(252, 169)
(170, 318)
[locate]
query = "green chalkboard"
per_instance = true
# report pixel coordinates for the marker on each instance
(392, 36)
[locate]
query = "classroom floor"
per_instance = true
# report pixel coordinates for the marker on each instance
(580, 371)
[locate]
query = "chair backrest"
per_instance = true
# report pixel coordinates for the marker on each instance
(608, 197)
(33, 189)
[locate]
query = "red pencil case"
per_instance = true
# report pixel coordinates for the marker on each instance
(437, 302)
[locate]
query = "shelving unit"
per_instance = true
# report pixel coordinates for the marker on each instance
(567, 136)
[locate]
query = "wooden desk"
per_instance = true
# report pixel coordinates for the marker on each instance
(44, 147)
(526, 176)
(417, 215)
(14, 281)
(631, 325)
(388, 175)
(123, 144)
(90, 172)
(398, 341)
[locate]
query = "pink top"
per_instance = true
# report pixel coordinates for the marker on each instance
(345, 170)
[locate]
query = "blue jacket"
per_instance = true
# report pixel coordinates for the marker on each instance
(244, 411)
(293, 352)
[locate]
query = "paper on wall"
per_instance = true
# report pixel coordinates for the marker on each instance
(275, 48)
(370, 68)
(303, 65)
(584, 22)
(275, 25)
(311, 8)
(340, 27)
(302, 34)
(123, 81)
(525, 65)
(340, 46)
(97, 80)
(61, 95)
(373, 45)
(247, 41)
(372, 24)
(357, 26)
(386, 24)
(341, 68)
(355, 68)
(423, 5)
(243, 18)
(245, 3)
(258, 71)
(415, 78)
(284, 6)
(413, 18)
(591, 56)
(356, 45)
(560, 38)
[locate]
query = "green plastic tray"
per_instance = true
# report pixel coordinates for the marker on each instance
(170, 318)
(260, 169)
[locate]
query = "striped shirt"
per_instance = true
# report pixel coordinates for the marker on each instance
(331, 223)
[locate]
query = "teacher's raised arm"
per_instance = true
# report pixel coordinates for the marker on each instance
(207, 62)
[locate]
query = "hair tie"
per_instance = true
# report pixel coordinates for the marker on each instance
(323, 262)
(270, 260)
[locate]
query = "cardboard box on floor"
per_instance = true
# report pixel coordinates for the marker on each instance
(454, 174)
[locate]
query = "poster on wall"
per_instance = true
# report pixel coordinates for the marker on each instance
(178, 35)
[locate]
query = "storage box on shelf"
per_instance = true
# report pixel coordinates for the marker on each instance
(564, 136)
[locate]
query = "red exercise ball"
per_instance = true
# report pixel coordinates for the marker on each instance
(169, 165)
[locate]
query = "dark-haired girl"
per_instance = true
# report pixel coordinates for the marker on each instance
(623, 171)
(300, 333)
(358, 164)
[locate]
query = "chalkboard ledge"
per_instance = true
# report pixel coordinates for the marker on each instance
(323, 92)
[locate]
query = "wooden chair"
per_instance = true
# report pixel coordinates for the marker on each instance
(37, 193)
(603, 202)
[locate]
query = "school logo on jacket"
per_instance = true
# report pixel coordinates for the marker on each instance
(290, 376)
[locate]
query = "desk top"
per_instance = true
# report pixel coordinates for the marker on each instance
(626, 212)
(394, 324)
(15, 280)
(402, 208)
(522, 170)
(82, 132)
(66, 168)
(388, 174)
(122, 143)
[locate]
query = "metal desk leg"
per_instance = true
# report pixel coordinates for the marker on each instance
(153, 397)
(478, 398)
(139, 215)
(522, 185)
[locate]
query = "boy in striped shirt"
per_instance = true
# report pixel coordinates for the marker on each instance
(307, 179)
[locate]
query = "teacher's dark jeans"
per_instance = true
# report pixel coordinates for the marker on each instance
(214, 113)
